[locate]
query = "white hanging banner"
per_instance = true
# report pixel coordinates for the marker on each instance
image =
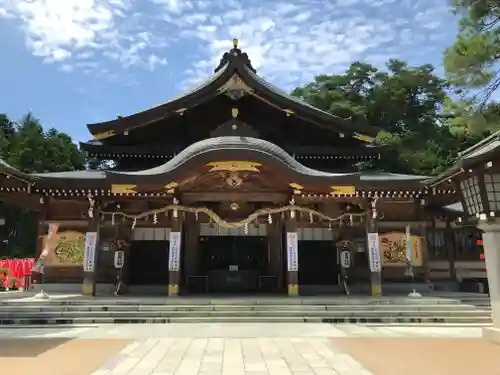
(174, 251)
(89, 253)
(119, 258)
(345, 259)
(409, 250)
(374, 252)
(292, 248)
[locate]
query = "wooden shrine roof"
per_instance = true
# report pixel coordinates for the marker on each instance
(8, 170)
(234, 76)
(227, 162)
(477, 155)
(166, 151)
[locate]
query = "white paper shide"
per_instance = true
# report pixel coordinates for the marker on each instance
(292, 248)
(374, 252)
(345, 259)
(119, 259)
(89, 253)
(174, 251)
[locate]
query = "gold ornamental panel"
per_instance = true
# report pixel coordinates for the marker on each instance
(234, 166)
(393, 249)
(343, 189)
(123, 189)
(68, 250)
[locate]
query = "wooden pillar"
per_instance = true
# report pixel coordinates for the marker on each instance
(90, 274)
(190, 254)
(124, 233)
(174, 255)
(275, 238)
(374, 256)
(423, 232)
(450, 249)
(292, 253)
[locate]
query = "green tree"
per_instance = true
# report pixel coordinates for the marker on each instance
(26, 146)
(471, 64)
(404, 102)
(469, 123)
(471, 61)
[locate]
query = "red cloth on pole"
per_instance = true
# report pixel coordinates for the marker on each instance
(17, 270)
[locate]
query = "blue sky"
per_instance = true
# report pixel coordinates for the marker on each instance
(74, 62)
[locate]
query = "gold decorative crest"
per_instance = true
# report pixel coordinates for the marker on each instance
(234, 166)
(297, 189)
(69, 248)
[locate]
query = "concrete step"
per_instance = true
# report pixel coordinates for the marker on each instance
(152, 319)
(368, 301)
(291, 312)
(188, 308)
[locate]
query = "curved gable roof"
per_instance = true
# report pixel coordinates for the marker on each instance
(260, 148)
(233, 62)
(257, 150)
(203, 90)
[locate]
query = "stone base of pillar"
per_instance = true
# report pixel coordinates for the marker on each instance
(173, 290)
(293, 290)
(376, 290)
(492, 334)
(87, 287)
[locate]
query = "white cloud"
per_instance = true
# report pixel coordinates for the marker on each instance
(288, 42)
(54, 29)
(292, 42)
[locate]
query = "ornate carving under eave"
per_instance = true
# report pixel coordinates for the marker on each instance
(170, 187)
(234, 180)
(181, 111)
(103, 135)
(235, 88)
(297, 189)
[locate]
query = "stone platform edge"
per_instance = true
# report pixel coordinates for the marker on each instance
(492, 334)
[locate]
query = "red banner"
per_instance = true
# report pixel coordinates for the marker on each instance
(13, 272)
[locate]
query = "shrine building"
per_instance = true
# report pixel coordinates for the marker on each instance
(236, 187)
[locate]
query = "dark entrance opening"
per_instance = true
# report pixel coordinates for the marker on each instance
(233, 264)
(318, 263)
(148, 263)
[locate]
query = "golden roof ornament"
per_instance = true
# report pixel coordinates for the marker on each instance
(235, 43)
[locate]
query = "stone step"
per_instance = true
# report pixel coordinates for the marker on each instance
(284, 303)
(187, 308)
(362, 320)
(237, 301)
(270, 313)
(441, 325)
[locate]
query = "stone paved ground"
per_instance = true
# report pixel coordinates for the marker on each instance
(56, 356)
(258, 349)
